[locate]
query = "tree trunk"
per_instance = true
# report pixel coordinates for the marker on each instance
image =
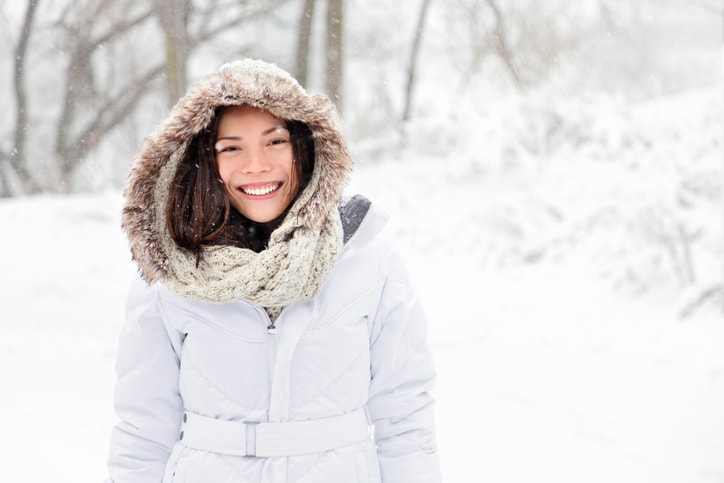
(174, 21)
(305, 34)
(412, 64)
(335, 55)
(78, 86)
(17, 157)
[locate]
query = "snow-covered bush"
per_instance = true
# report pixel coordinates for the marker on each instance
(630, 193)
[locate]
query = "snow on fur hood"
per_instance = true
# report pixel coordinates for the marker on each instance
(258, 84)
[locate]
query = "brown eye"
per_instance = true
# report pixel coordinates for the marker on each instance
(232, 148)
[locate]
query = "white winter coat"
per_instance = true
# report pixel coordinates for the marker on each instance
(360, 343)
(350, 339)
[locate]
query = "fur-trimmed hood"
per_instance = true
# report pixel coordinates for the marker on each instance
(259, 85)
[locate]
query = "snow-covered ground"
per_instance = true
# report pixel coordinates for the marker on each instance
(554, 320)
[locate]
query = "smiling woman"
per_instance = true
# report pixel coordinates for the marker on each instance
(275, 324)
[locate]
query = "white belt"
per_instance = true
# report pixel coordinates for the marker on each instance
(274, 439)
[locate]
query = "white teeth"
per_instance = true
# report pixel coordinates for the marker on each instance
(261, 191)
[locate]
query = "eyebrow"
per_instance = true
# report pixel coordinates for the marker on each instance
(264, 133)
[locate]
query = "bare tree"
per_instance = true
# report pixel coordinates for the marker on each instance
(524, 38)
(88, 115)
(17, 157)
(335, 52)
(305, 33)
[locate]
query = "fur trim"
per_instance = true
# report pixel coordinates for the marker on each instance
(257, 84)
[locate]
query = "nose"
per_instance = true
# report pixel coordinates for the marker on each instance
(255, 162)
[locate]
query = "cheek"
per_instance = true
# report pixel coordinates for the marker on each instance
(224, 172)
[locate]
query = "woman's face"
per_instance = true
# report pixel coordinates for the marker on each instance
(255, 159)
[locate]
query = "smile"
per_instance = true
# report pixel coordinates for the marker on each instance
(260, 190)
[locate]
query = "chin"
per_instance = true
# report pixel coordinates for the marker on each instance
(262, 217)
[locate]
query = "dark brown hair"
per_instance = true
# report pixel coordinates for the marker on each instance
(199, 212)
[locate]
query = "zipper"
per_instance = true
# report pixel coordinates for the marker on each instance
(271, 330)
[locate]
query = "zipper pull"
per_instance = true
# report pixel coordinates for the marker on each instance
(271, 328)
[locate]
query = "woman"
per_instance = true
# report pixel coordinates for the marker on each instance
(275, 328)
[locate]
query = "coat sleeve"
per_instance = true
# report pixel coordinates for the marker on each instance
(401, 403)
(147, 399)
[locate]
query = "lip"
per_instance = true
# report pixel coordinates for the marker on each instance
(245, 188)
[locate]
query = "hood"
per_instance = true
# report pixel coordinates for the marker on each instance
(258, 84)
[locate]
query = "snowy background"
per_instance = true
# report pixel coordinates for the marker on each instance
(562, 244)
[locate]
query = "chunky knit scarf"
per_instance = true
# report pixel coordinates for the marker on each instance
(289, 270)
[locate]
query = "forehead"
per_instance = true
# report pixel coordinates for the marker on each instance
(247, 117)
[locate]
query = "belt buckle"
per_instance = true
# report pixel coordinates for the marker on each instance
(251, 437)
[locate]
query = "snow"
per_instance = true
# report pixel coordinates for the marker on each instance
(554, 319)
